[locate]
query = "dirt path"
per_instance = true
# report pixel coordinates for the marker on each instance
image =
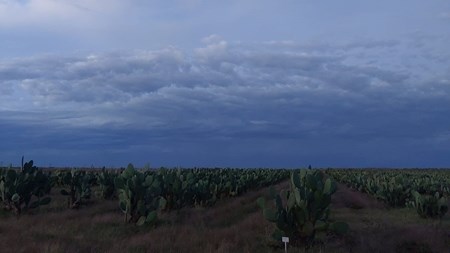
(349, 198)
(377, 228)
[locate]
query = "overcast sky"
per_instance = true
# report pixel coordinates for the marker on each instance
(241, 83)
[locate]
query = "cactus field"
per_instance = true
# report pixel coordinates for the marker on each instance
(223, 210)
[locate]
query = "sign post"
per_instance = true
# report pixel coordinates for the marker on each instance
(285, 240)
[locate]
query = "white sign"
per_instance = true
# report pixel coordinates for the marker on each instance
(285, 240)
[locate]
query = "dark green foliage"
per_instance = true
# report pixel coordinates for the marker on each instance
(105, 179)
(18, 188)
(302, 213)
(57, 178)
(203, 187)
(394, 187)
(429, 206)
(177, 188)
(166, 189)
(78, 187)
(139, 196)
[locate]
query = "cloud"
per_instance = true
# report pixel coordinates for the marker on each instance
(212, 39)
(224, 94)
(29, 11)
(444, 15)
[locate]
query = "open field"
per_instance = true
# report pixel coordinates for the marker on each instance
(231, 225)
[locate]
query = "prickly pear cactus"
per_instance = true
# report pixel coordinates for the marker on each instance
(19, 188)
(105, 179)
(302, 213)
(429, 206)
(139, 196)
(77, 187)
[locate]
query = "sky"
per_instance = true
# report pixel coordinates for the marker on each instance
(238, 83)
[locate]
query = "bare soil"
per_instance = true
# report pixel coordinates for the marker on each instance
(345, 197)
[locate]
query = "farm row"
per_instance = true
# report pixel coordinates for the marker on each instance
(141, 193)
(303, 211)
(425, 190)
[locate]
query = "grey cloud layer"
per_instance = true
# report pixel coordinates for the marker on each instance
(236, 96)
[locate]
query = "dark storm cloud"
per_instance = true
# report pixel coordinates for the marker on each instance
(223, 100)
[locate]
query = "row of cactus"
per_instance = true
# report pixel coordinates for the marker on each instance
(177, 188)
(139, 196)
(203, 187)
(77, 187)
(400, 188)
(429, 206)
(24, 189)
(105, 180)
(302, 212)
(142, 194)
(187, 187)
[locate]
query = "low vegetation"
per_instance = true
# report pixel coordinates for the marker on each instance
(24, 189)
(304, 216)
(426, 191)
(216, 210)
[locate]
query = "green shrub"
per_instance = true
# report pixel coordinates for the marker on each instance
(139, 196)
(105, 179)
(429, 206)
(79, 188)
(302, 213)
(17, 188)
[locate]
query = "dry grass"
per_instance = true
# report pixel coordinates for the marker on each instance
(376, 228)
(234, 225)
